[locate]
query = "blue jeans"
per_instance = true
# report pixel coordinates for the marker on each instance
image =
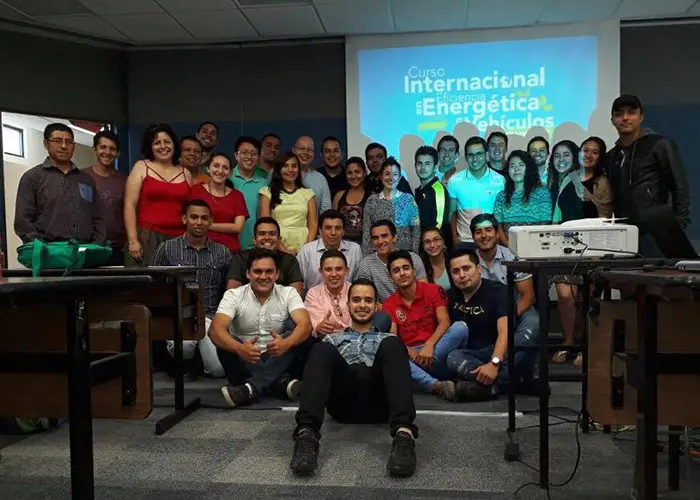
(455, 338)
(527, 332)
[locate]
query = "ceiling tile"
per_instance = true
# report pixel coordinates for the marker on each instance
(91, 25)
(416, 15)
(280, 21)
(500, 13)
(571, 11)
(195, 5)
(119, 7)
(645, 8)
(361, 16)
(216, 25)
(48, 8)
(7, 12)
(149, 27)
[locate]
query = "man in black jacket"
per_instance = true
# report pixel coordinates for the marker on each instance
(644, 168)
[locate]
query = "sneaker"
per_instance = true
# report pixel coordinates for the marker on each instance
(293, 389)
(469, 392)
(237, 395)
(446, 390)
(305, 456)
(402, 461)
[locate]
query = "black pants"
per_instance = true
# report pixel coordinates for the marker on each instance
(356, 393)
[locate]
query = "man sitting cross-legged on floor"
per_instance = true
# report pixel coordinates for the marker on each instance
(419, 315)
(246, 331)
(361, 376)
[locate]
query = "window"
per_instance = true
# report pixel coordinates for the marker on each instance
(13, 141)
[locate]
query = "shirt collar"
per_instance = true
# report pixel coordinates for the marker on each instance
(499, 257)
(47, 164)
(372, 329)
(257, 173)
(428, 185)
(344, 291)
(185, 243)
(321, 246)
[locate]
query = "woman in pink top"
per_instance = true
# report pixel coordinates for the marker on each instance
(155, 190)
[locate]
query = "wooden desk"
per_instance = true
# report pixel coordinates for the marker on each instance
(177, 314)
(74, 294)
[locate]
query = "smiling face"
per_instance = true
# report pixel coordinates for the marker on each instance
(290, 170)
(516, 169)
(448, 154)
(333, 272)
(267, 236)
(106, 151)
(163, 148)
(539, 152)
(262, 275)
(332, 233)
(590, 154)
(485, 237)
(332, 154)
(208, 136)
(362, 304)
(382, 239)
(563, 159)
(355, 174)
(391, 177)
(425, 167)
(497, 149)
(432, 243)
(402, 273)
(219, 170)
(476, 157)
(190, 153)
(304, 149)
(627, 120)
(197, 221)
(247, 156)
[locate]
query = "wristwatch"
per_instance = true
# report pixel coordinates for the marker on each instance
(495, 361)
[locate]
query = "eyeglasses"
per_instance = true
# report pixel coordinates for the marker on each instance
(304, 150)
(247, 154)
(67, 142)
(437, 240)
(335, 302)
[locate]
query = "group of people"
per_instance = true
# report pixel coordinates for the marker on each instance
(341, 287)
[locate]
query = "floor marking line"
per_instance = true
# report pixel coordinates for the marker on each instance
(456, 413)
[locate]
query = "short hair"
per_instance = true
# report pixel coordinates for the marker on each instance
(216, 127)
(461, 251)
(190, 138)
(375, 145)
(262, 253)
(333, 254)
(448, 138)
(426, 151)
(396, 255)
(498, 134)
(357, 160)
(250, 140)
(384, 222)
(270, 134)
(330, 138)
(195, 202)
(57, 127)
(266, 220)
(538, 138)
(363, 282)
(105, 134)
(473, 141)
(330, 214)
(150, 135)
(478, 219)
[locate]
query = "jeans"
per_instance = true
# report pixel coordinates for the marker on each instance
(455, 338)
(207, 349)
(464, 361)
(357, 393)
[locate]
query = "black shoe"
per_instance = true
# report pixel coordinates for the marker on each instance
(305, 456)
(446, 390)
(469, 392)
(237, 395)
(290, 388)
(402, 461)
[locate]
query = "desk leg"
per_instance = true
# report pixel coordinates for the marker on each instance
(543, 307)
(511, 351)
(646, 481)
(181, 410)
(79, 401)
(674, 454)
(585, 419)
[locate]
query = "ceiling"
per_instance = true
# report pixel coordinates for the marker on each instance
(167, 22)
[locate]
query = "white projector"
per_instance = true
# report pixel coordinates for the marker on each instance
(575, 239)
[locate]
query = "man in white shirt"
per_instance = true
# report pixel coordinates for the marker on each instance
(247, 328)
(332, 228)
(472, 190)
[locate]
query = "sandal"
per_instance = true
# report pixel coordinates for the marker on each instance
(561, 357)
(579, 359)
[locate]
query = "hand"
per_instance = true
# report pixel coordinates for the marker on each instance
(327, 326)
(136, 250)
(413, 355)
(424, 357)
(249, 351)
(278, 346)
(486, 374)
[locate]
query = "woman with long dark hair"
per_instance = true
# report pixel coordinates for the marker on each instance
(290, 203)
(565, 182)
(523, 200)
(351, 202)
(434, 256)
(597, 197)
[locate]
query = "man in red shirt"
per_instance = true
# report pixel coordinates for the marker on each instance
(420, 317)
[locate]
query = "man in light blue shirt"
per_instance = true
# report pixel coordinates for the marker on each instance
(249, 179)
(315, 181)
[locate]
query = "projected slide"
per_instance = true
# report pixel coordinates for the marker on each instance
(512, 85)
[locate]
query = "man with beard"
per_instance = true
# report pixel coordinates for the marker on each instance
(304, 149)
(332, 168)
(270, 151)
(191, 158)
(538, 149)
(246, 331)
(448, 153)
(645, 170)
(473, 190)
(375, 156)
(497, 149)
(110, 185)
(360, 375)
(208, 136)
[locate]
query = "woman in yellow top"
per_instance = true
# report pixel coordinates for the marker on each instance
(290, 203)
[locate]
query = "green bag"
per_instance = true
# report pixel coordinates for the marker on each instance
(38, 255)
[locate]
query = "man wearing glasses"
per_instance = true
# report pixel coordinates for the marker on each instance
(56, 201)
(249, 179)
(313, 180)
(473, 190)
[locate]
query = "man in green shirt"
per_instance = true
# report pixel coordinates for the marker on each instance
(249, 179)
